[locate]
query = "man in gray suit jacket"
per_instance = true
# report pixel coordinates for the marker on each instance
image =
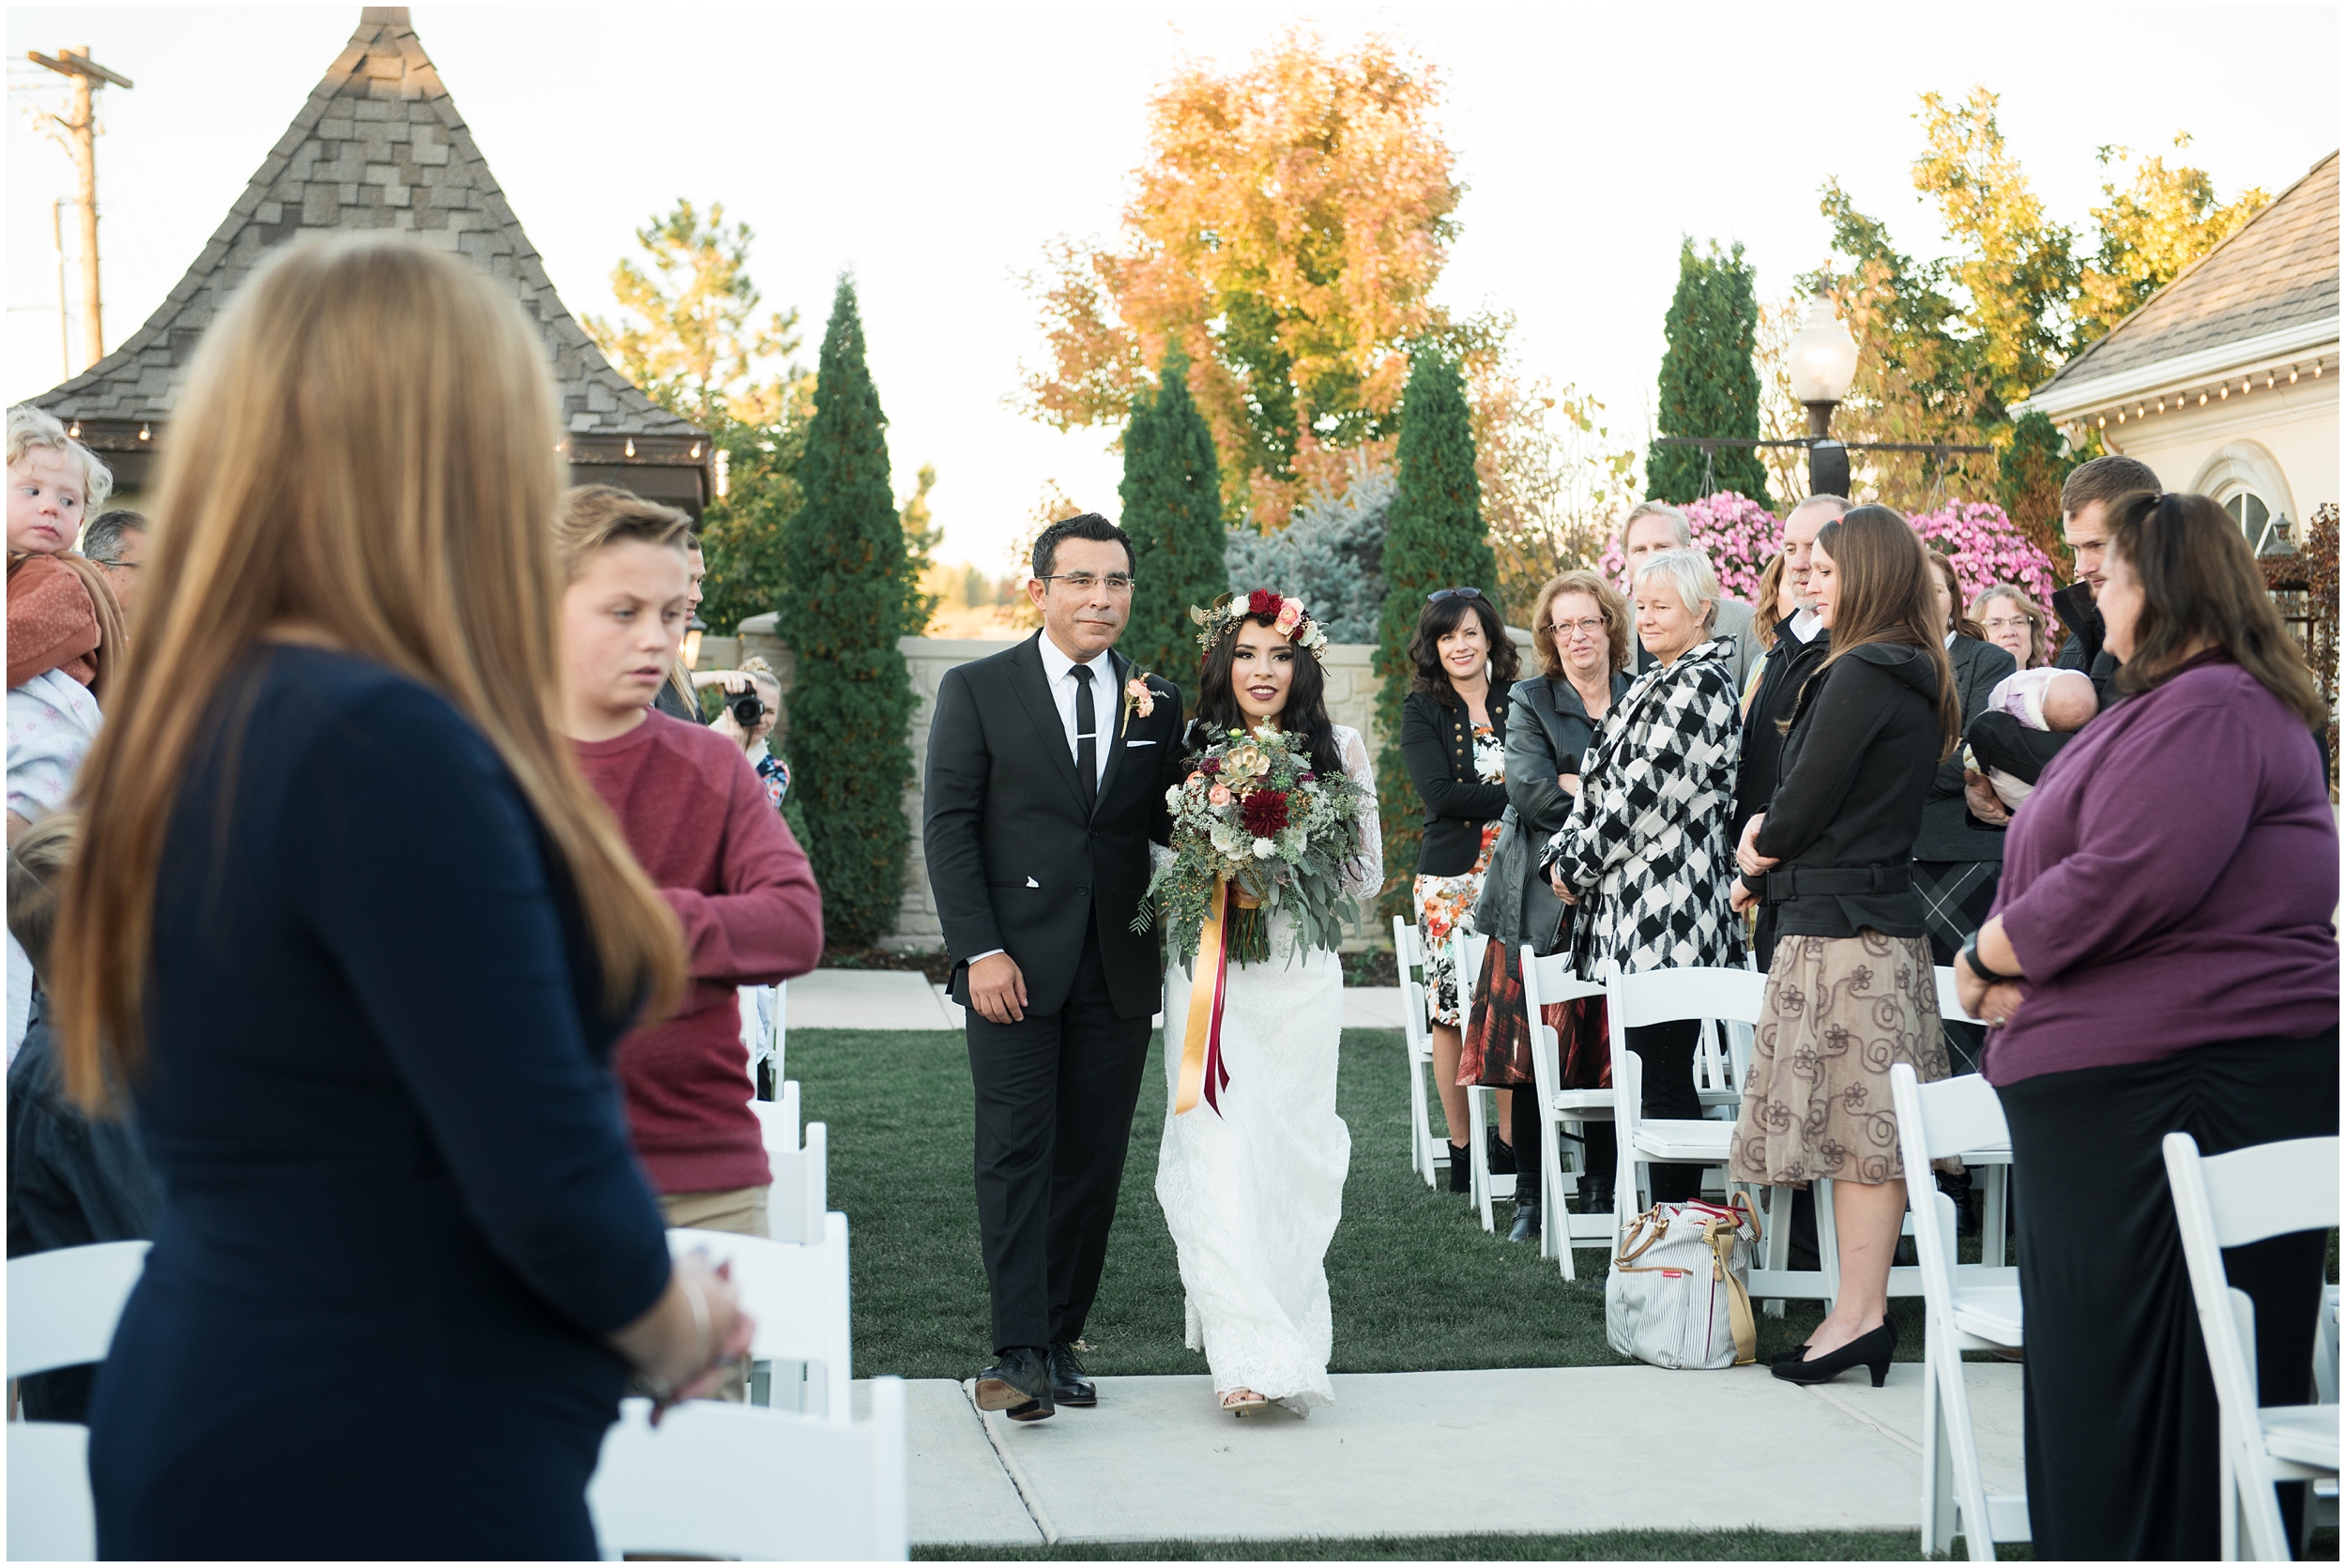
(1655, 526)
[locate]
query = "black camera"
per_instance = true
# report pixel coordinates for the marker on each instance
(748, 708)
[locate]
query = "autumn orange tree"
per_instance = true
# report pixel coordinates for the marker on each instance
(1948, 344)
(1286, 234)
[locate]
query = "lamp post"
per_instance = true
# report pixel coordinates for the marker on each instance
(695, 630)
(1823, 363)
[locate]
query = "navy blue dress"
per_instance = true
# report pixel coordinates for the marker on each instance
(400, 1210)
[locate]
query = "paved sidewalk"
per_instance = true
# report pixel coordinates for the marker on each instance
(904, 999)
(1571, 1449)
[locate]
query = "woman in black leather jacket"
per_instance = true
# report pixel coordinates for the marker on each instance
(1451, 725)
(1581, 635)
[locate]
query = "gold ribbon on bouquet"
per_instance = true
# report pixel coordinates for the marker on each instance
(1202, 1073)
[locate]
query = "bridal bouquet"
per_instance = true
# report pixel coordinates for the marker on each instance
(1256, 829)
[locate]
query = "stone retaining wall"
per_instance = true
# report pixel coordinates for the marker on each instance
(1351, 700)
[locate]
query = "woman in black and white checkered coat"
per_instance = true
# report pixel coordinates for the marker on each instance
(1647, 854)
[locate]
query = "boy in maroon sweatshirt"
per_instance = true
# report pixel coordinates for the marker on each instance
(700, 823)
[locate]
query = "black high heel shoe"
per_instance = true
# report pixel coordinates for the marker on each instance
(1871, 1352)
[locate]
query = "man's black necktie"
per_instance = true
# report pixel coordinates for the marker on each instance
(1086, 738)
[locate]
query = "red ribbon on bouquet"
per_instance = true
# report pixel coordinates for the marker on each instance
(1202, 1073)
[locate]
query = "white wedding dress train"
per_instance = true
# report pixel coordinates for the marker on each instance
(1253, 1194)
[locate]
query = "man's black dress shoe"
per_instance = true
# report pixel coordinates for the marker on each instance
(1069, 1383)
(1018, 1385)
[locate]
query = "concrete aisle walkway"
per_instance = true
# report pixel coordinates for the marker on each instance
(1564, 1450)
(904, 999)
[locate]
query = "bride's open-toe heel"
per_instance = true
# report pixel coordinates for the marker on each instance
(1243, 1402)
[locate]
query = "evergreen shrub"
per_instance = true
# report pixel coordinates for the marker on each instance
(1172, 495)
(1434, 540)
(842, 607)
(1709, 385)
(1331, 555)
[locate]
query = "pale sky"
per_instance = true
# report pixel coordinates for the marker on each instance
(937, 150)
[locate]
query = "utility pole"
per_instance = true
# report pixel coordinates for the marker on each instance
(85, 76)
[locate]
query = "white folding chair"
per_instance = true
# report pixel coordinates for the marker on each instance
(1467, 950)
(51, 1518)
(1994, 1164)
(1964, 1308)
(1548, 980)
(63, 1307)
(801, 1194)
(1666, 996)
(1428, 1153)
(2229, 1200)
(732, 1481)
(63, 1304)
(798, 1296)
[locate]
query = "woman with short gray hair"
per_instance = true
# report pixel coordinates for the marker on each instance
(1646, 854)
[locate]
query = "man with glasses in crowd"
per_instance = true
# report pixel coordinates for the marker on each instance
(1654, 527)
(118, 543)
(1047, 771)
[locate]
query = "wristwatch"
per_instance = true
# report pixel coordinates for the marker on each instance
(1971, 956)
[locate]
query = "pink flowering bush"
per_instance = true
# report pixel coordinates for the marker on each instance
(1986, 548)
(1736, 532)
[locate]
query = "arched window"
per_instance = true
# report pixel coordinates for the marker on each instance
(2248, 484)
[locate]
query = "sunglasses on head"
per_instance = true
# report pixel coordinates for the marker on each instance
(1437, 598)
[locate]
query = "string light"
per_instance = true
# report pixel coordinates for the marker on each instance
(144, 434)
(2203, 400)
(696, 452)
(631, 446)
(2121, 416)
(2292, 375)
(2221, 393)
(76, 431)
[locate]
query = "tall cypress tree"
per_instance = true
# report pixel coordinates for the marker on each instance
(842, 607)
(1172, 493)
(1709, 385)
(1434, 540)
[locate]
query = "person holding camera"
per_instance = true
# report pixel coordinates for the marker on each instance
(704, 827)
(752, 703)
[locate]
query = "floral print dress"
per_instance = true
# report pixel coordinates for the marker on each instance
(1445, 905)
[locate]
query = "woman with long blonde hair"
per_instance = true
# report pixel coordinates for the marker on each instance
(353, 931)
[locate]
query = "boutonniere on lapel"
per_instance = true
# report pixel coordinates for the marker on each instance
(1138, 699)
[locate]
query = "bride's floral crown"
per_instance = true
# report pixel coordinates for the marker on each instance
(1288, 617)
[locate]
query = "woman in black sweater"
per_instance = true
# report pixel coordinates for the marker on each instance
(1453, 726)
(1851, 991)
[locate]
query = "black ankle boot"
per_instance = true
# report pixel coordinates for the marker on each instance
(1527, 1225)
(1461, 1177)
(1501, 1153)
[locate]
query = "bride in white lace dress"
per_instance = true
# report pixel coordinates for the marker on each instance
(1251, 1194)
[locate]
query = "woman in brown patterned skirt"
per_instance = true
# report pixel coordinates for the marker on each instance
(1850, 993)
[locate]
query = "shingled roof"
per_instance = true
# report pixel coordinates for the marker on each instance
(2270, 289)
(380, 144)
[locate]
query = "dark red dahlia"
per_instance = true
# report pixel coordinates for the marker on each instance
(1306, 777)
(1264, 813)
(1262, 602)
(1210, 766)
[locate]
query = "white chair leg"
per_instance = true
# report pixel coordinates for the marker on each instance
(1779, 1241)
(1991, 1215)
(1938, 1470)
(1479, 1182)
(1828, 1240)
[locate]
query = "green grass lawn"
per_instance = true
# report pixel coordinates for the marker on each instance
(1416, 1284)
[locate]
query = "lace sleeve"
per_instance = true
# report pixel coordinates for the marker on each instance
(1365, 876)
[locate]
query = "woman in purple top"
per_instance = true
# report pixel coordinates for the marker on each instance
(2160, 958)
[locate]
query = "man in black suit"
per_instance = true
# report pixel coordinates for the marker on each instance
(1797, 653)
(1046, 782)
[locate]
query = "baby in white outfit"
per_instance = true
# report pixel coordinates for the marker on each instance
(2060, 701)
